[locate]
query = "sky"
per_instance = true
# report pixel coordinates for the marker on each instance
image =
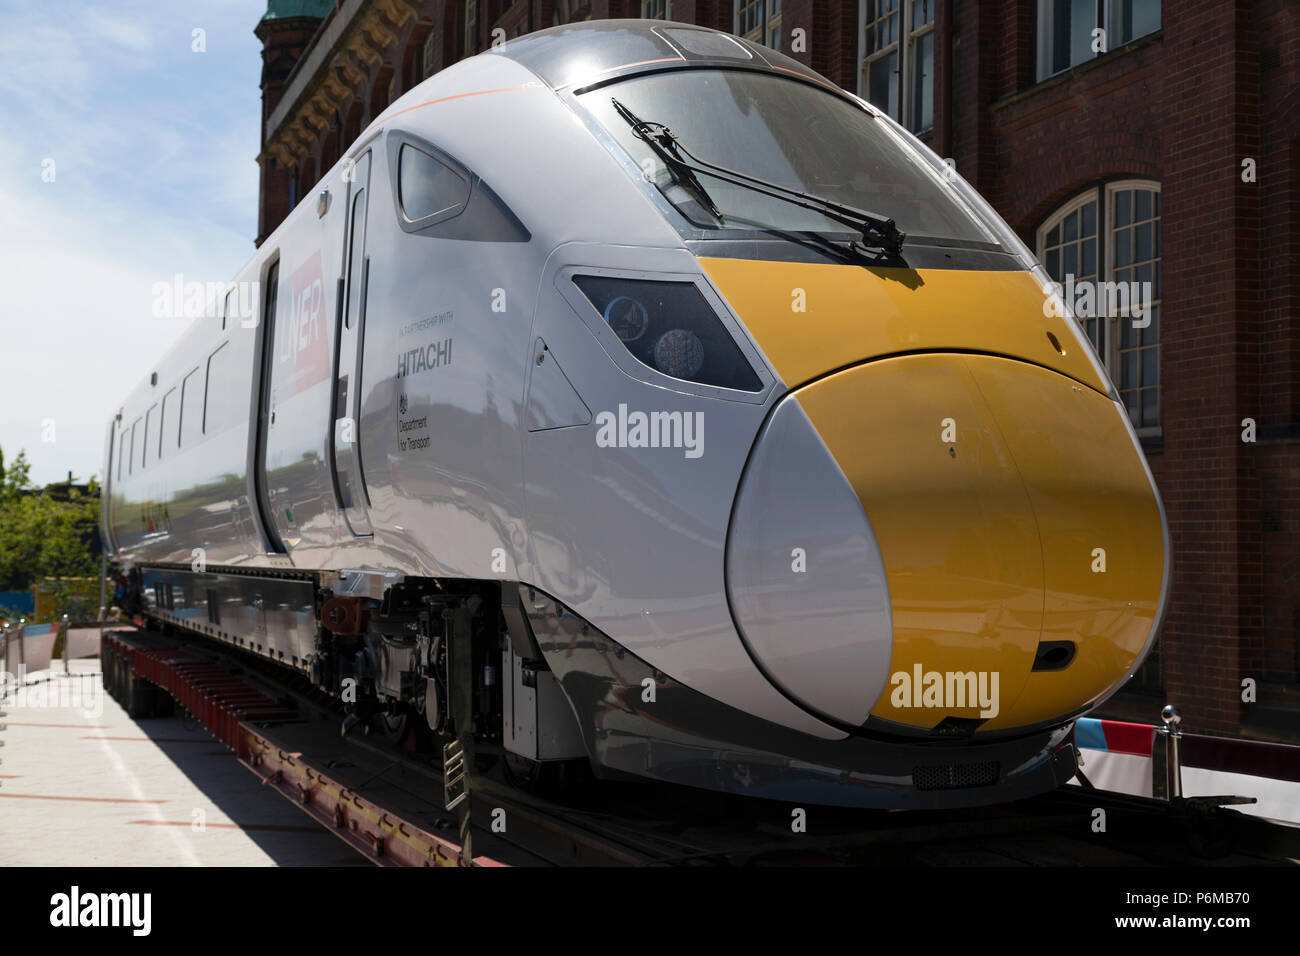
(127, 156)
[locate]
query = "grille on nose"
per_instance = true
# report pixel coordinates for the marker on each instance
(955, 776)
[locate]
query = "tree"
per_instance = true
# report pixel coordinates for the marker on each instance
(40, 535)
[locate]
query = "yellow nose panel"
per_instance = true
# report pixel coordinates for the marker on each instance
(1095, 509)
(954, 525)
(989, 483)
(810, 319)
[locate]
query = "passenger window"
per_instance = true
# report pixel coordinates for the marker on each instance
(190, 425)
(122, 453)
(216, 402)
(355, 258)
(168, 413)
(150, 428)
(427, 188)
(130, 464)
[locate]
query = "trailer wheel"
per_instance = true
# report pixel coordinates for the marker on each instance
(140, 698)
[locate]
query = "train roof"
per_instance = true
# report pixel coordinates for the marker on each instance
(597, 51)
(570, 57)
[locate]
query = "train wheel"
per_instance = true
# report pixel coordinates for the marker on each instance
(164, 705)
(550, 779)
(140, 695)
(389, 727)
(113, 677)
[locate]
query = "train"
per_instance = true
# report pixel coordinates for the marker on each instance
(630, 397)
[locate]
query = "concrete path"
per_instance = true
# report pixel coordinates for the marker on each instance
(81, 784)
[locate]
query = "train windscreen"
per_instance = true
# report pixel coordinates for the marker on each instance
(784, 132)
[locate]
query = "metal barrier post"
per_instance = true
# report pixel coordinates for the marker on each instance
(1173, 720)
(64, 628)
(103, 582)
(4, 674)
(1166, 757)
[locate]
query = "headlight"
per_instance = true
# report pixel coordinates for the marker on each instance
(679, 353)
(627, 317)
(669, 327)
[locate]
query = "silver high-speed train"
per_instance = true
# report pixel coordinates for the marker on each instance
(741, 427)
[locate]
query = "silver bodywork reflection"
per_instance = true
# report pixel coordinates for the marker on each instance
(805, 576)
(433, 402)
(639, 721)
(458, 485)
(273, 617)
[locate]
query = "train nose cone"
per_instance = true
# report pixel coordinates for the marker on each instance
(1021, 537)
(1002, 562)
(804, 576)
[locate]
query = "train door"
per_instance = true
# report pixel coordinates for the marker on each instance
(345, 448)
(265, 412)
(108, 489)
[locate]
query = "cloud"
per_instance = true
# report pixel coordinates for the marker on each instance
(154, 151)
(130, 34)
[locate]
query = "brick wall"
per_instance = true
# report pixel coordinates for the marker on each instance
(282, 44)
(1218, 84)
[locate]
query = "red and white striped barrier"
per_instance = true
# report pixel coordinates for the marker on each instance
(1118, 757)
(28, 648)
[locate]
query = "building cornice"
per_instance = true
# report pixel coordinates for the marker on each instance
(346, 48)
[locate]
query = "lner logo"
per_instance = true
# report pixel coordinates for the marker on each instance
(303, 344)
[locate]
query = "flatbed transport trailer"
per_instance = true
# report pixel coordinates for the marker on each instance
(396, 808)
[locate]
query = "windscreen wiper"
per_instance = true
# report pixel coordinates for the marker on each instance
(681, 172)
(878, 231)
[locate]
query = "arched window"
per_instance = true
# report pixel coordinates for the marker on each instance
(566, 11)
(381, 89)
(760, 21)
(306, 178)
(428, 54)
(1103, 246)
(471, 27)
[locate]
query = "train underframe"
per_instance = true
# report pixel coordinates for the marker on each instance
(513, 670)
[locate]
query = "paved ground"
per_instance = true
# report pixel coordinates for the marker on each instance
(81, 784)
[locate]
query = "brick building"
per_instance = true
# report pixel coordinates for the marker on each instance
(1125, 140)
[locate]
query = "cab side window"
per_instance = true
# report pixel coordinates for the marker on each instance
(428, 189)
(436, 195)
